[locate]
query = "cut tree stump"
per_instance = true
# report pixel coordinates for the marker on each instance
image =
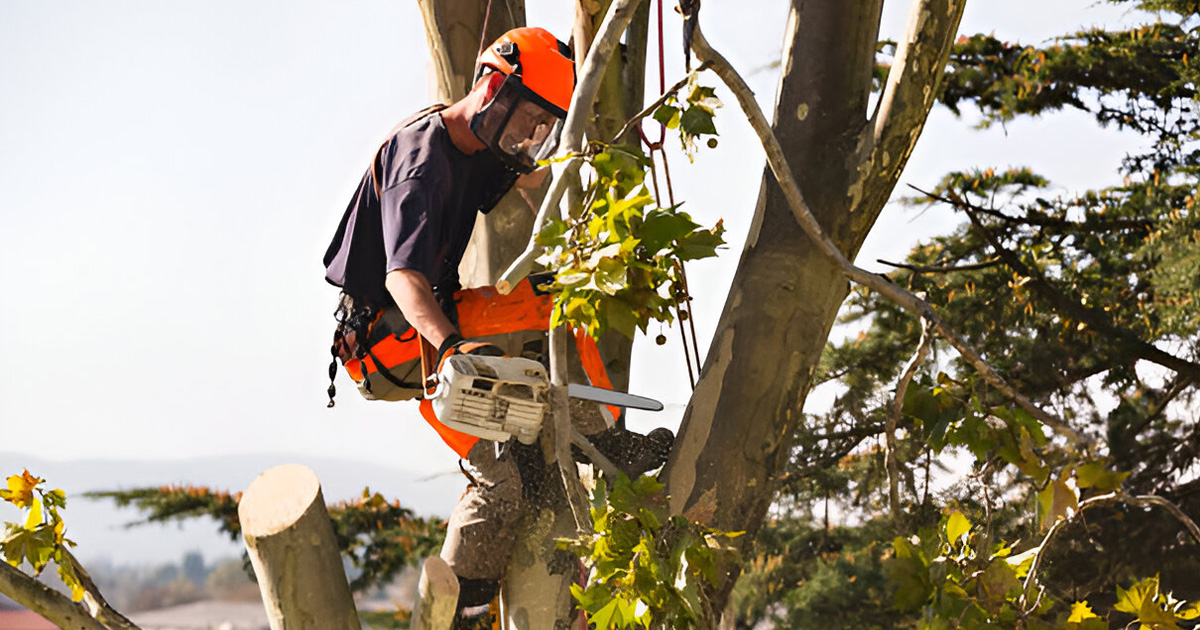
(295, 556)
(437, 596)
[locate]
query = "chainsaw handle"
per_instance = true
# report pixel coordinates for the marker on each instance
(429, 366)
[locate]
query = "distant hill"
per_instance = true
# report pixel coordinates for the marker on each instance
(98, 526)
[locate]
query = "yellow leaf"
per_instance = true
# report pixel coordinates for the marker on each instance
(1189, 612)
(35, 515)
(20, 489)
(1081, 611)
(957, 526)
(1058, 501)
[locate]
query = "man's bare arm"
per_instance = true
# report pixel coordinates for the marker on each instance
(414, 295)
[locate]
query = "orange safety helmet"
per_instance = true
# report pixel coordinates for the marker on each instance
(521, 122)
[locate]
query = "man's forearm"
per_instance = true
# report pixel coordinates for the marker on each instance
(413, 294)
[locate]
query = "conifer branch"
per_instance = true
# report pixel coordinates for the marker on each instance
(1065, 305)
(902, 298)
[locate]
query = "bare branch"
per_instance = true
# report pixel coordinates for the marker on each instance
(902, 298)
(1041, 221)
(1105, 499)
(96, 605)
(605, 465)
(942, 268)
(889, 454)
(560, 412)
(45, 601)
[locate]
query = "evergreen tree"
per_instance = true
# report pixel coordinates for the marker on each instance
(1086, 302)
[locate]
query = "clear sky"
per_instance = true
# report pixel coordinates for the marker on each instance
(171, 172)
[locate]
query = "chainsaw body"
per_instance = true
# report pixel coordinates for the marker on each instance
(494, 398)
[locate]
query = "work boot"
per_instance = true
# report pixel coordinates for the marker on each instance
(481, 621)
(475, 599)
(633, 453)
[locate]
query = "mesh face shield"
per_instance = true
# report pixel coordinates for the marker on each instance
(518, 125)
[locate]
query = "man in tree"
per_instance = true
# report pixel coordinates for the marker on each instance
(396, 255)
(397, 250)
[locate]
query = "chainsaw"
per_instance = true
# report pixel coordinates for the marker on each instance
(496, 398)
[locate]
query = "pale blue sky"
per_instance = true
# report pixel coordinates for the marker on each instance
(170, 173)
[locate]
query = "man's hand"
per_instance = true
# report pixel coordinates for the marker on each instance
(455, 344)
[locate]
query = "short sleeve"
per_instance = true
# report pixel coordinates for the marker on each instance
(411, 227)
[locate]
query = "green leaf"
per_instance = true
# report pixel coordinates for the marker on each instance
(667, 115)
(705, 97)
(696, 121)
(909, 575)
(999, 579)
(660, 228)
(552, 233)
(701, 243)
(1057, 500)
(602, 619)
(1095, 475)
(1022, 562)
(610, 275)
(33, 546)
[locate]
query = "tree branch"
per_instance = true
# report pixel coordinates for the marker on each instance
(605, 465)
(1105, 499)
(942, 268)
(912, 87)
(560, 412)
(45, 601)
(649, 109)
(97, 606)
(571, 141)
(893, 419)
(1042, 221)
(1069, 307)
(902, 298)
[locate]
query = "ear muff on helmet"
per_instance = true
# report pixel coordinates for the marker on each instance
(520, 124)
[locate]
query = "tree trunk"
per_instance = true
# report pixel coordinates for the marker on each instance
(437, 596)
(738, 427)
(290, 541)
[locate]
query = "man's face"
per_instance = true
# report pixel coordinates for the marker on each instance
(528, 128)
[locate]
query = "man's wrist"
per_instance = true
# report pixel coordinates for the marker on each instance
(449, 342)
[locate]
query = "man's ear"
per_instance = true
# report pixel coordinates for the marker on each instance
(492, 85)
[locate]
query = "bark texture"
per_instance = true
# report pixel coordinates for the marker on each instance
(437, 596)
(45, 601)
(295, 556)
(737, 430)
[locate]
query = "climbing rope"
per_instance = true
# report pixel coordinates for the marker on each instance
(691, 349)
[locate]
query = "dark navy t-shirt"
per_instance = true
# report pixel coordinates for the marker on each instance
(431, 193)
